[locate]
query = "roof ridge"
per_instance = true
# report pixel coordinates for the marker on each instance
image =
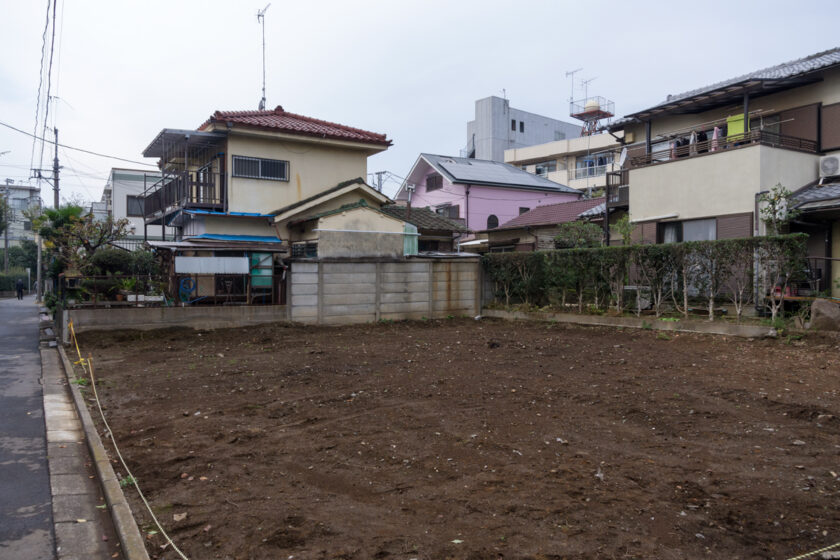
(741, 77)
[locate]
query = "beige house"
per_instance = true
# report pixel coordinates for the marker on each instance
(249, 188)
(697, 163)
(581, 163)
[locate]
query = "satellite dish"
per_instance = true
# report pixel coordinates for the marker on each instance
(623, 157)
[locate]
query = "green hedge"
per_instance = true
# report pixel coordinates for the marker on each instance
(7, 281)
(660, 275)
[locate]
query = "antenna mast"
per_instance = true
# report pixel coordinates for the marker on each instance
(261, 20)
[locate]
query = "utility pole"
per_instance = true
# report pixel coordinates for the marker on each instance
(55, 171)
(6, 229)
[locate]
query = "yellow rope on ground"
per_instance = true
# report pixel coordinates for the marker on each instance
(824, 549)
(87, 366)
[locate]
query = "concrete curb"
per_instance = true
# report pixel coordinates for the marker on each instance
(702, 327)
(133, 547)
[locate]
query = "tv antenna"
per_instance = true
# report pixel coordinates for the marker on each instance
(572, 74)
(261, 21)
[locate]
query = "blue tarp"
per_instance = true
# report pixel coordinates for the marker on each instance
(223, 237)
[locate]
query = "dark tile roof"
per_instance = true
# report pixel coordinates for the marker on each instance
(551, 214)
(282, 121)
(816, 196)
(491, 174)
(423, 218)
(778, 73)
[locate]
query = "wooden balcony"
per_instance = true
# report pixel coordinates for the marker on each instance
(733, 141)
(183, 190)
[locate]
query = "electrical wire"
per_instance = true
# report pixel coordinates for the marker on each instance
(49, 84)
(77, 149)
(40, 83)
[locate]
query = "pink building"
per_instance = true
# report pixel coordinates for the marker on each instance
(480, 193)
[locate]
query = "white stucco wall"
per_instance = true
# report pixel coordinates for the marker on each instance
(716, 184)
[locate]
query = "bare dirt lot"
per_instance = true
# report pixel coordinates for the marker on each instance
(477, 440)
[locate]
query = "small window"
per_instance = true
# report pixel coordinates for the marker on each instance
(513, 124)
(492, 221)
(521, 126)
(305, 249)
(559, 135)
(434, 182)
(449, 210)
(134, 206)
(27, 226)
(260, 168)
(523, 209)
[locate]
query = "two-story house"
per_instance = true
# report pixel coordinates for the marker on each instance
(247, 185)
(481, 193)
(696, 164)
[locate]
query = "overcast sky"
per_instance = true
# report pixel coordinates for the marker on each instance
(123, 70)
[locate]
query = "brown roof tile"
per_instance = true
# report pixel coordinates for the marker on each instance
(291, 123)
(552, 214)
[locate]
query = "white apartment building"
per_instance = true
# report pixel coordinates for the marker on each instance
(581, 163)
(123, 198)
(20, 198)
(498, 127)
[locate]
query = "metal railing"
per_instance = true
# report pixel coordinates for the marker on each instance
(595, 171)
(189, 188)
(618, 188)
(762, 137)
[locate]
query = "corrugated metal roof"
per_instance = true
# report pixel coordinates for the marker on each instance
(244, 238)
(235, 214)
(491, 173)
(594, 212)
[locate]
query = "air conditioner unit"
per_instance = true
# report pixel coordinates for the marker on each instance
(829, 166)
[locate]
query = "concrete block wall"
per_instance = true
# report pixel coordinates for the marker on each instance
(364, 291)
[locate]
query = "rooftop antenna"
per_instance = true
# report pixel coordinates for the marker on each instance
(261, 20)
(572, 74)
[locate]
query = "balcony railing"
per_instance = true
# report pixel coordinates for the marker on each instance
(595, 171)
(618, 188)
(709, 146)
(184, 189)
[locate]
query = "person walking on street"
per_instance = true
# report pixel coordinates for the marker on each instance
(19, 288)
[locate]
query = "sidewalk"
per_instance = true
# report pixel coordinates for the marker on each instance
(51, 505)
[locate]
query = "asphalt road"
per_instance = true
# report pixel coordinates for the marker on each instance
(26, 524)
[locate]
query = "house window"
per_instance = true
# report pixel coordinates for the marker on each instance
(449, 211)
(513, 124)
(27, 226)
(134, 205)
(492, 221)
(305, 249)
(688, 230)
(259, 168)
(523, 209)
(543, 168)
(434, 182)
(521, 126)
(559, 135)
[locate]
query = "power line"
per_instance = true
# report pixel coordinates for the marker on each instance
(77, 149)
(40, 83)
(49, 84)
